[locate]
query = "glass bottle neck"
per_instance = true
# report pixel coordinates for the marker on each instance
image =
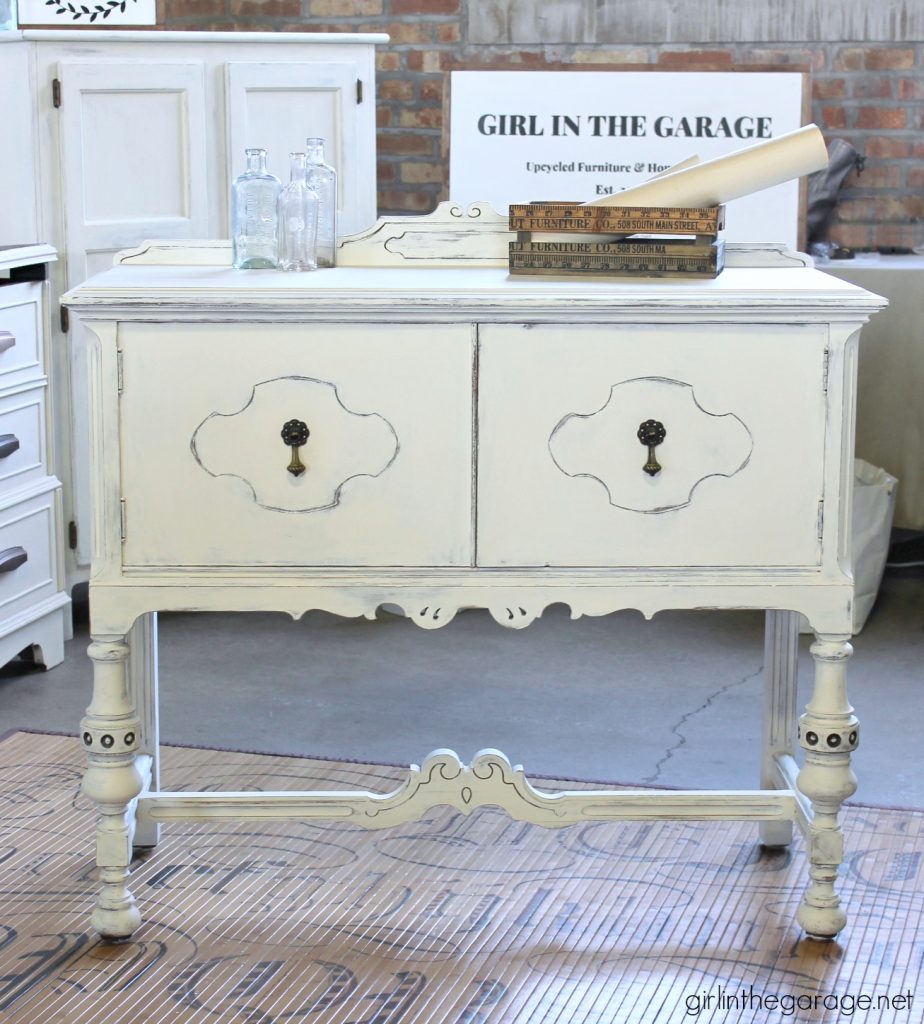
(315, 151)
(298, 166)
(256, 160)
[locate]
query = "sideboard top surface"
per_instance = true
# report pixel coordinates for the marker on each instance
(479, 289)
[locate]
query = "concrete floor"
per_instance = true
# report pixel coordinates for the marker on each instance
(673, 701)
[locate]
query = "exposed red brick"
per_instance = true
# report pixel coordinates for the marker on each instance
(526, 57)
(917, 151)
(265, 8)
(916, 178)
(888, 119)
(849, 59)
(404, 33)
(879, 176)
(853, 236)
(431, 90)
(884, 148)
(851, 210)
(814, 59)
(422, 173)
(386, 172)
(383, 117)
(449, 32)
(872, 87)
(192, 8)
(424, 6)
(423, 60)
(396, 89)
(829, 88)
(424, 117)
(693, 58)
(396, 201)
(406, 144)
(888, 58)
(612, 55)
(911, 89)
(344, 8)
(387, 60)
(833, 117)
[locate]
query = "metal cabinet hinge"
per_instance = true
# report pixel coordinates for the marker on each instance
(119, 377)
(359, 90)
(56, 92)
(65, 319)
(122, 515)
(820, 526)
(824, 378)
(72, 535)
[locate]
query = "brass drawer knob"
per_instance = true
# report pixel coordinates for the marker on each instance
(651, 433)
(295, 434)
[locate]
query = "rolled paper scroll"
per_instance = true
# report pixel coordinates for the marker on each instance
(729, 177)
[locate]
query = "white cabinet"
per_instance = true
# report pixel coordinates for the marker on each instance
(33, 606)
(118, 137)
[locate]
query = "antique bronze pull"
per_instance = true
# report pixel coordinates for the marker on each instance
(295, 434)
(651, 433)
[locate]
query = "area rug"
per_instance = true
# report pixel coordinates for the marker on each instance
(453, 920)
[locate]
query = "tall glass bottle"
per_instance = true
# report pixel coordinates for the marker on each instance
(323, 180)
(298, 218)
(254, 195)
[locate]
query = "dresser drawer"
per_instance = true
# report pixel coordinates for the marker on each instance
(20, 333)
(739, 474)
(388, 456)
(22, 439)
(27, 565)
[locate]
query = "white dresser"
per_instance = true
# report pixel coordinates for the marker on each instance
(434, 434)
(34, 610)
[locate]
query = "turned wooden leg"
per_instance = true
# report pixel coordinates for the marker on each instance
(111, 736)
(828, 732)
(781, 656)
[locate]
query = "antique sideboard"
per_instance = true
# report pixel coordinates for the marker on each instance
(417, 428)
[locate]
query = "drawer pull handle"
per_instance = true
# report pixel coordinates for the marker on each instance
(651, 433)
(12, 559)
(295, 434)
(9, 443)
(7, 340)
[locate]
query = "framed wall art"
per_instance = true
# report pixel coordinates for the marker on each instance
(80, 14)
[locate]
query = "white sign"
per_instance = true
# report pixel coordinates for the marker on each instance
(99, 13)
(525, 136)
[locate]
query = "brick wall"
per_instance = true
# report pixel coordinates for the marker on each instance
(867, 89)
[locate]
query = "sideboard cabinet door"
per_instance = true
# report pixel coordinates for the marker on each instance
(735, 420)
(249, 446)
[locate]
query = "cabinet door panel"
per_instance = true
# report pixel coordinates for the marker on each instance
(736, 480)
(133, 156)
(277, 105)
(387, 457)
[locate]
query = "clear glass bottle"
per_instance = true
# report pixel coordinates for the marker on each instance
(323, 180)
(298, 218)
(254, 225)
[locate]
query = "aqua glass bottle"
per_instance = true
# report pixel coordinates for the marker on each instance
(323, 180)
(298, 218)
(254, 226)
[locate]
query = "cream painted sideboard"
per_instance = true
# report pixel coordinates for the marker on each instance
(118, 136)
(431, 433)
